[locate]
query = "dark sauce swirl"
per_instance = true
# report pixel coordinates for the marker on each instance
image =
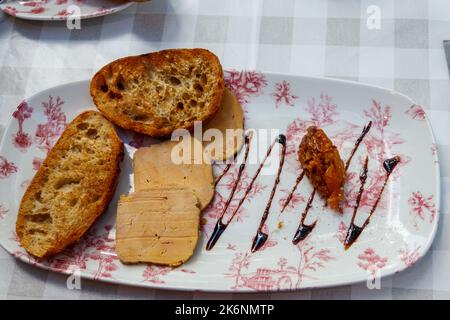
(355, 231)
(261, 236)
(304, 230)
(220, 224)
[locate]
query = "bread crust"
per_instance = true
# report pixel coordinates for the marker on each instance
(90, 186)
(135, 66)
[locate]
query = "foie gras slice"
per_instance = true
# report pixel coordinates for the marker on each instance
(154, 168)
(158, 225)
(229, 121)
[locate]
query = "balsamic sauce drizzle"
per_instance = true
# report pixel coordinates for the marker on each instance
(261, 236)
(303, 229)
(228, 166)
(365, 130)
(223, 173)
(221, 226)
(355, 231)
(291, 194)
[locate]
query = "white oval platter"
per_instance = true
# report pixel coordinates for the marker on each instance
(400, 232)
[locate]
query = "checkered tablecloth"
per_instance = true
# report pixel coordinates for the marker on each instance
(302, 37)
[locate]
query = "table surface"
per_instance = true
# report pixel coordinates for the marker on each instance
(319, 38)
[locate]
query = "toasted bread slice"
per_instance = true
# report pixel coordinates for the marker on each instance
(229, 125)
(158, 225)
(72, 187)
(159, 92)
(155, 166)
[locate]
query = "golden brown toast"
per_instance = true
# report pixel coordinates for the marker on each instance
(72, 187)
(159, 92)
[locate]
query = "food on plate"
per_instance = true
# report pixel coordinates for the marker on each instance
(72, 187)
(158, 225)
(159, 222)
(323, 166)
(156, 93)
(156, 166)
(229, 121)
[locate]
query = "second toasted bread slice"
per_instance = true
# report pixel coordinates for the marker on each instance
(159, 92)
(72, 187)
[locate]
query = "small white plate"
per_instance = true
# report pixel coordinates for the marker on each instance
(49, 10)
(400, 232)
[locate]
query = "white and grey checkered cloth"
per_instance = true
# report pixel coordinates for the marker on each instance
(303, 37)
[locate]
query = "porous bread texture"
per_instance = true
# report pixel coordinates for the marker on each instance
(73, 186)
(156, 93)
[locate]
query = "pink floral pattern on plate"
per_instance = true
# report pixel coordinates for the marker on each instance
(216, 207)
(48, 133)
(295, 200)
(379, 143)
(409, 256)
(3, 211)
(245, 84)
(370, 261)
(21, 139)
(155, 274)
(422, 206)
(6, 168)
(94, 253)
(416, 112)
(282, 277)
(341, 233)
(283, 94)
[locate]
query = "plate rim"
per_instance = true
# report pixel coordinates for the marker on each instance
(385, 272)
(30, 17)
